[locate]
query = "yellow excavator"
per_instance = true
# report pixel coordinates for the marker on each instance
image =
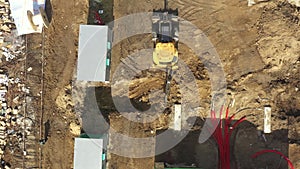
(165, 29)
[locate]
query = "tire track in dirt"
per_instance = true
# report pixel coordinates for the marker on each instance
(189, 9)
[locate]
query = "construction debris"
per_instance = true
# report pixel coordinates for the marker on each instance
(3, 86)
(6, 24)
(11, 44)
(295, 2)
(14, 126)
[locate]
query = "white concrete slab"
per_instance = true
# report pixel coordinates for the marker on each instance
(92, 53)
(88, 153)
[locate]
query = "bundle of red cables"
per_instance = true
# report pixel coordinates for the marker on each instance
(222, 136)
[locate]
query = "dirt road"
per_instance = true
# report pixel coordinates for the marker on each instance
(61, 54)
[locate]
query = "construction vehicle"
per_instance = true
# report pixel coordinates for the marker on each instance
(165, 28)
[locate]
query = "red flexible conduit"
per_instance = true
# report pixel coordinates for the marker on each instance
(222, 136)
(274, 151)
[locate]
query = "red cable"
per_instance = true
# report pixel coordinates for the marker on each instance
(274, 151)
(98, 19)
(227, 138)
(237, 123)
(227, 112)
(222, 135)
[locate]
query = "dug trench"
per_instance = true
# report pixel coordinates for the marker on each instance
(245, 141)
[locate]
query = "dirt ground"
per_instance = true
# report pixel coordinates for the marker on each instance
(259, 48)
(61, 54)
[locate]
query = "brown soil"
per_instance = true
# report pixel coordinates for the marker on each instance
(61, 54)
(258, 50)
(258, 47)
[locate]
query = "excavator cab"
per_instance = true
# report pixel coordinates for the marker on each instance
(165, 27)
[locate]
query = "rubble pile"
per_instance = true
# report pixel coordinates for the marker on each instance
(13, 125)
(3, 90)
(11, 44)
(17, 115)
(6, 22)
(295, 2)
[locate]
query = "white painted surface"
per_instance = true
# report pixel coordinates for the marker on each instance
(92, 53)
(88, 153)
(267, 120)
(19, 13)
(177, 117)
